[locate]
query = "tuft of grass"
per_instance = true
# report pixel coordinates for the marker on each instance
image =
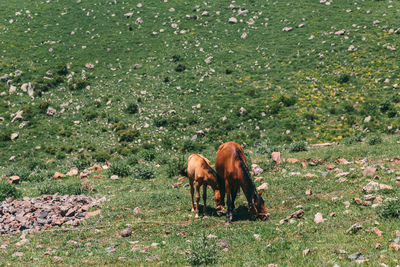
(8, 190)
(374, 140)
(120, 168)
(144, 172)
(62, 187)
(298, 146)
(203, 251)
(390, 209)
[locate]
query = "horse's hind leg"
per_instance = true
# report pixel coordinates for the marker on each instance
(229, 212)
(192, 193)
(233, 197)
(197, 186)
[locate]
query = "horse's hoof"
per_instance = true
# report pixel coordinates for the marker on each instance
(192, 210)
(197, 216)
(227, 223)
(205, 217)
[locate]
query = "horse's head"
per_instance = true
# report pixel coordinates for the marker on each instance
(257, 208)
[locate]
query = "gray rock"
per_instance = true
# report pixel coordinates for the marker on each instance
(126, 232)
(355, 256)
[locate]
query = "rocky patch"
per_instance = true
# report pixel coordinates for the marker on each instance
(44, 212)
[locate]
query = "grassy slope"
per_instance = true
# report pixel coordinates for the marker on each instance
(265, 66)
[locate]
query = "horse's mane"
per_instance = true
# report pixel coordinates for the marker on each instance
(249, 182)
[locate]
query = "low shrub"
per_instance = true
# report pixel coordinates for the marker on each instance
(120, 168)
(298, 146)
(142, 171)
(128, 135)
(374, 140)
(147, 154)
(8, 190)
(77, 84)
(390, 209)
(203, 251)
(176, 166)
(132, 108)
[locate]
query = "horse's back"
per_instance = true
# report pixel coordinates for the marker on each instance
(197, 165)
(227, 163)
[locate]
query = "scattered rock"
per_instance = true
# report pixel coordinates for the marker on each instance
(377, 231)
(318, 218)
(295, 215)
(92, 213)
(330, 166)
(310, 175)
(378, 246)
(306, 252)
(126, 232)
(51, 111)
(292, 160)
(222, 243)
(340, 251)
(114, 177)
(58, 175)
(232, 20)
(342, 161)
(394, 246)
(358, 201)
(354, 228)
(263, 187)
(369, 171)
(374, 186)
(308, 192)
(14, 136)
(73, 171)
(276, 156)
(287, 29)
(14, 179)
(355, 256)
(211, 236)
(259, 178)
(137, 210)
(18, 254)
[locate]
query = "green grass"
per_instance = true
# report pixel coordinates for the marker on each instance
(142, 96)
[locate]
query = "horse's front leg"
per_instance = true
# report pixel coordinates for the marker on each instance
(204, 199)
(229, 212)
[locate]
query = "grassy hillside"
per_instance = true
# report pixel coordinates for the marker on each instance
(144, 84)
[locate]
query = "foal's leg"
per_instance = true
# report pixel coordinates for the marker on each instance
(197, 186)
(204, 198)
(192, 193)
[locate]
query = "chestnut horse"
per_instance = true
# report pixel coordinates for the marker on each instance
(233, 173)
(200, 174)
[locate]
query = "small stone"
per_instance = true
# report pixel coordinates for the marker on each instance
(14, 179)
(222, 243)
(330, 166)
(354, 256)
(340, 251)
(276, 156)
(57, 259)
(93, 213)
(18, 254)
(58, 175)
(14, 136)
(292, 160)
(374, 186)
(211, 236)
(232, 20)
(377, 231)
(378, 246)
(369, 171)
(126, 232)
(287, 29)
(358, 201)
(51, 111)
(308, 192)
(136, 210)
(263, 187)
(114, 177)
(306, 252)
(310, 175)
(354, 229)
(257, 236)
(318, 218)
(394, 246)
